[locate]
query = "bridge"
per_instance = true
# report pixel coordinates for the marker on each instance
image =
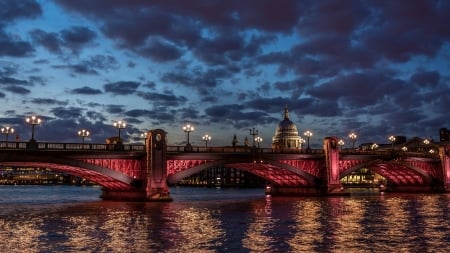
(143, 172)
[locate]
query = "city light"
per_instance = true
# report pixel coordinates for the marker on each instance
(187, 129)
(258, 140)
(83, 134)
(308, 135)
(33, 121)
(6, 131)
(392, 140)
(206, 138)
(341, 143)
(119, 125)
(353, 138)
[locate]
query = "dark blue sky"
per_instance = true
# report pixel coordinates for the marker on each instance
(378, 68)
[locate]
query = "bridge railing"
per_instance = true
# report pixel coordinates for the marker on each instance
(72, 146)
(241, 150)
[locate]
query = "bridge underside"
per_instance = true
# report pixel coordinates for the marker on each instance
(275, 175)
(93, 176)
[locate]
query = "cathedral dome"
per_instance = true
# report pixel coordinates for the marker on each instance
(286, 133)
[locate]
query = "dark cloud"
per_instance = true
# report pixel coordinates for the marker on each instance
(85, 90)
(50, 41)
(95, 116)
(72, 39)
(18, 90)
(160, 51)
(93, 66)
(48, 101)
(427, 79)
(77, 37)
(122, 87)
(13, 81)
(13, 10)
(68, 112)
(115, 109)
(168, 99)
(13, 46)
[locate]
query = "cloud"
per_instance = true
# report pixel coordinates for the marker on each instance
(13, 10)
(85, 90)
(161, 99)
(122, 87)
(68, 112)
(13, 46)
(48, 101)
(18, 90)
(160, 51)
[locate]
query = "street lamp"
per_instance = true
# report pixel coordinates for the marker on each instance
(144, 136)
(353, 137)
(206, 138)
(404, 148)
(83, 134)
(308, 135)
(301, 141)
(392, 140)
(341, 143)
(187, 129)
(374, 146)
(33, 121)
(253, 133)
(258, 140)
(119, 125)
(6, 131)
(426, 141)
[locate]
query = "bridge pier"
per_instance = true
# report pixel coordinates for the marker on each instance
(152, 183)
(331, 184)
(156, 188)
(444, 153)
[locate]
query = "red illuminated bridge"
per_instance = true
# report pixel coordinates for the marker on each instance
(143, 172)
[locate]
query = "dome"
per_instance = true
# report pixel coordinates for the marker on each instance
(286, 133)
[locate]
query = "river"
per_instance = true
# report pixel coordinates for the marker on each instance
(75, 219)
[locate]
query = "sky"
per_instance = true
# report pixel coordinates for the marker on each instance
(376, 68)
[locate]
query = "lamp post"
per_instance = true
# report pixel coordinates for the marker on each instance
(258, 140)
(187, 129)
(33, 121)
(253, 132)
(308, 135)
(6, 131)
(353, 137)
(341, 143)
(83, 133)
(374, 146)
(119, 125)
(426, 141)
(144, 136)
(206, 138)
(301, 141)
(392, 140)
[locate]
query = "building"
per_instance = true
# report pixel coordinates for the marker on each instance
(286, 134)
(444, 134)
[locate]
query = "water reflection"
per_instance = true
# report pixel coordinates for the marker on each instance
(230, 221)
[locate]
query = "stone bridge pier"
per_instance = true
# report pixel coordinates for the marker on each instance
(151, 184)
(444, 153)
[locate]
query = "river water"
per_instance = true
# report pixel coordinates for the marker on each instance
(74, 219)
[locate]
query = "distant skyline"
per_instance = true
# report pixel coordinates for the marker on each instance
(376, 68)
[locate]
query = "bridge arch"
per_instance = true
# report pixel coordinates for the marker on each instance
(105, 177)
(396, 172)
(276, 173)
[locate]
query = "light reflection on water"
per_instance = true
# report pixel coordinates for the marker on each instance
(73, 219)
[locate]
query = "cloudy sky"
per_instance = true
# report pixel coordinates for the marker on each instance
(374, 67)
